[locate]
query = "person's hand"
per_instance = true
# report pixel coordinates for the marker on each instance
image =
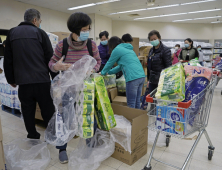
(181, 60)
(99, 73)
(147, 84)
(13, 85)
(60, 66)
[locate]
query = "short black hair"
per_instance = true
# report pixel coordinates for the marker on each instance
(113, 42)
(177, 45)
(77, 21)
(31, 14)
(154, 32)
(127, 38)
(190, 41)
(103, 33)
(3, 43)
(199, 46)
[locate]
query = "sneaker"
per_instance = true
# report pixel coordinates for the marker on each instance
(63, 157)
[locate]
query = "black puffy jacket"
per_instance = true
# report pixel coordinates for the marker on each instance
(160, 59)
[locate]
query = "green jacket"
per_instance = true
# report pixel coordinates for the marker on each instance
(127, 61)
(193, 53)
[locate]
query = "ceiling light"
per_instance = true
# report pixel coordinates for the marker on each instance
(196, 19)
(177, 14)
(197, 2)
(159, 7)
(92, 4)
(216, 22)
(204, 11)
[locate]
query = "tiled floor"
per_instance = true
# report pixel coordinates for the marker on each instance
(176, 153)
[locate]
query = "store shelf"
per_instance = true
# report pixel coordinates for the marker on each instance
(217, 53)
(218, 47)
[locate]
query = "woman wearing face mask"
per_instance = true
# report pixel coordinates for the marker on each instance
(176, 54)
(159, 58)
(200, 55)
(189, 52)
(79, 24)
(103, 48)
(129, 64)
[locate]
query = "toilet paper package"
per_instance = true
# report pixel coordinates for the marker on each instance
(171, 84)
(172, 119)
(89, 85)
(104, 113)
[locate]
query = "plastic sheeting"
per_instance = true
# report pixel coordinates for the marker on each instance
(121, 134)
(110, 81)
(65, 91)
(91, 152)
(27, 154)
(121, 84)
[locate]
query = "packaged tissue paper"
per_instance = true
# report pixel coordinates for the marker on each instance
(89, 86)
(121, 84)
(104, 113)
(172, 119)
(197, 79)
(89, 97)
(88, 108)
(110, 81)
(172, 84)
(194, 62)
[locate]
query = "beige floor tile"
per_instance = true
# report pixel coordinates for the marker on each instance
(53, 168)
(61, 166)
(157, 153)
(199, 165)
(112, 162)
(104, 167)
(162, 167)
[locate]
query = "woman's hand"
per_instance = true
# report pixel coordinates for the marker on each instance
(181, 60)
(60, 66)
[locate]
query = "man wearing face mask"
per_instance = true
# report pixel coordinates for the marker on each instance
(104, 49)
(189, 52)
(28, 51)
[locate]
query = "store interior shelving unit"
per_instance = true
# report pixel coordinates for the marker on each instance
(207, 48)
(217, 47)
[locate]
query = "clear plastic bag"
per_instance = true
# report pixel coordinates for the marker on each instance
(65, 92)
(121, 84)
(122, 132)
(91, 152)
(110, 81)
(27, 154)
(161, 142)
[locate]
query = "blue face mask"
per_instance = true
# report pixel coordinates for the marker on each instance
(155, 42)
(199, 49)
(83, 36)
(104, 42)
(40, 26)
(186, 45)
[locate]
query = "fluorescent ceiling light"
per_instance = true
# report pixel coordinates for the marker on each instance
(196, 19)
(92, 4)
(159, 7)
(216, 22)
(197, 2)
(177, 14)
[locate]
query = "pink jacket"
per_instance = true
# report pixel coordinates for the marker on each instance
(175, 56)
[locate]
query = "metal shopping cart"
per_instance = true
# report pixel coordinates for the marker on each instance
(164, 118)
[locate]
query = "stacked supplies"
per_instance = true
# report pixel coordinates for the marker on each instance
(104, 113)
(121, 84)
(172, 84)
(110, 81)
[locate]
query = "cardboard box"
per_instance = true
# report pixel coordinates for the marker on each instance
(2, 158)
(141, 50)
(61, 35)
(139, 134)
(38, 113)
(135, 45)
(121, 100)
(141, 58)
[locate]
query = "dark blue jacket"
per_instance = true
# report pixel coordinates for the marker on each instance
(104, 53)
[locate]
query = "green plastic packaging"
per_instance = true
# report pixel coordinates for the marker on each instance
(89, 86)
(104, 112)
(172, 84)
(121, 84)
(110, 81)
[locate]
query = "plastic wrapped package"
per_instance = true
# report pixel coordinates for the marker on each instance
(110, 81)
(104, 112)
(122, 132)
(172, 84)
(194, 62)
(65, 92)
(219, 65)
(90, 153)
(216, 60)
(27, 154)
(121, 84)
(206, 57)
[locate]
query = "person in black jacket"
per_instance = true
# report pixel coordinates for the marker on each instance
(159, 58)
(28, 51)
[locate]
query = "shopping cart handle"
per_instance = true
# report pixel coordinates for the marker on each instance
(216, 72)
(149, 99)
(184, 104)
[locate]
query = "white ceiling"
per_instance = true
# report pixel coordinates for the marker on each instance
(125, 5)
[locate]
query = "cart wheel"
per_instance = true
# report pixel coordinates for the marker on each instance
(167, 142)
(210, 155)
(145, 168)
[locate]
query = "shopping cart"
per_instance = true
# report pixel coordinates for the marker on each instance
(164, 119)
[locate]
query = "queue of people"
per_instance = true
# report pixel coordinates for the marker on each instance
(29, 60)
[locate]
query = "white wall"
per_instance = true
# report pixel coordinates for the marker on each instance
(12, 13)
(167, 30)
(217, 31)
(102, 23)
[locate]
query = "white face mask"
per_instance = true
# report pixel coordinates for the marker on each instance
(176, 48)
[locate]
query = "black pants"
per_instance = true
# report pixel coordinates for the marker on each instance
(29, 95)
